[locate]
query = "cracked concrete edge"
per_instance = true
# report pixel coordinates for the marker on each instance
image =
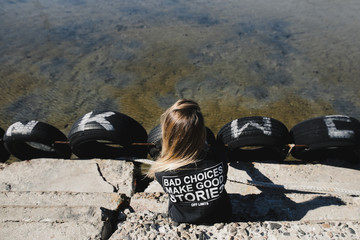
(115, 189)
(119, 174)
(68, 175)
(73, 198)
(56, 222)
(46, 174)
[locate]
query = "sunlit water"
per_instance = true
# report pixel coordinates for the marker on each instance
(290, 60)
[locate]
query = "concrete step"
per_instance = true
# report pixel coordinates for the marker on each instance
(49, 230)
(50, 214)
(109, 200)
(150, 201)
(93, 175)
(56, 222)
(333, 176)
(270, 206)
(63, 199)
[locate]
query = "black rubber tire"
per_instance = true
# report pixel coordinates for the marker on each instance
(331, 136)
(4, 154)
(155, 138)
(89, 132)
(32, 139)
(269, 135)
(210, 137)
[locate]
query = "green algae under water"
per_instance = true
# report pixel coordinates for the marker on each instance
(290, 60)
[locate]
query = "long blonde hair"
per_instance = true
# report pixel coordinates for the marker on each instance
(183, 136)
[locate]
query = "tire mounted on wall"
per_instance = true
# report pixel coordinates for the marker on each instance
(255, 138)
(101, 134)
(32, 139)
(155, 138)
(331, 136)
(4, 154)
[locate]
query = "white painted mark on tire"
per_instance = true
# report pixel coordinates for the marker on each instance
(237, 130)
(20, 128)
(333, 132)
(99, 118)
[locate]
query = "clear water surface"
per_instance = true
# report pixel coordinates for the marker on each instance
(290, 60)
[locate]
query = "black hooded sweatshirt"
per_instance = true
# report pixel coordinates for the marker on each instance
(197, 191)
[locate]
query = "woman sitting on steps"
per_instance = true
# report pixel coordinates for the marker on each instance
(191, 172)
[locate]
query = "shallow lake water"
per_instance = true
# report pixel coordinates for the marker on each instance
(290, 60)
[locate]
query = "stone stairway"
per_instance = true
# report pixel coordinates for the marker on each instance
(63, 199)
(80, 199)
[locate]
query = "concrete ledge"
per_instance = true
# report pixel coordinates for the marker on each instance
(118, 173)
(68, 176)
(50, 222)
(318, 202)
(79, 199)
(50, 214)
(45, 231)
(333, 176)
(154, 202)
(63, 199)
(52, 199)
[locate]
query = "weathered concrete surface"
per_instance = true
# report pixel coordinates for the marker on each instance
(326, 195)
(50, 214)
(53, 175)
(68, 176)
(43, 230)
(120, 174)
(154, 186)
(109, 200)
(150, 225)
(147, 201)
(71, 202)
(339, 178)
(57, 222)
(62, 199)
